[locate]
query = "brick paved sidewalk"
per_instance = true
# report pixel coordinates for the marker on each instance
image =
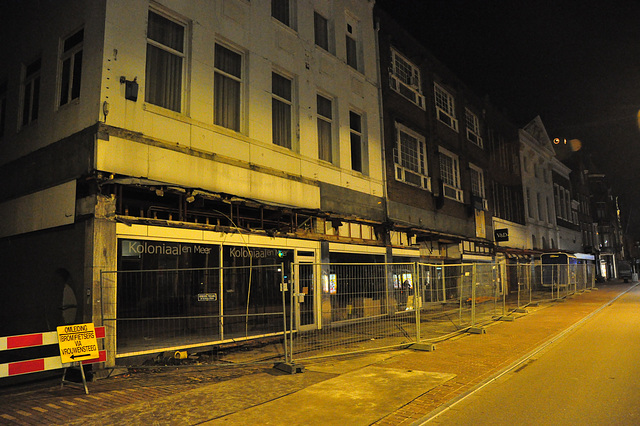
(195, 394)
(475, 359)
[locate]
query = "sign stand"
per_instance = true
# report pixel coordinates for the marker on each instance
(84, 379)
(77, 341)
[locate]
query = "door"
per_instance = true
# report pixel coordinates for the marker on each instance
(305, 289)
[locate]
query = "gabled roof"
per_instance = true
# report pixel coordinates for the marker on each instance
(536, 130)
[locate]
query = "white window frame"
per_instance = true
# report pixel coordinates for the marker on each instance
(73, 54)
(352, 35)
(479, 182)
(30, 98)
(445, 107)
(404, 78)
(240, 80)
(327, 120)
(473, 128)
(327, 29)
(287, 102)
(356, 136)
(451, 187)
(182, 55)
(402, 172)
(291, 10)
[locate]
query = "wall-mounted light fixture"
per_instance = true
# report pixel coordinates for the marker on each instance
(130, 88)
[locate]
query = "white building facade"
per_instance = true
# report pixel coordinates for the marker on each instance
(182, 134)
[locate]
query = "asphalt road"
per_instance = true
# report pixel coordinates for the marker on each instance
(590, 376)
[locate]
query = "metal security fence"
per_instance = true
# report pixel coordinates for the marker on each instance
(306, 310)
(161, 310)
(374, 306)
(535, 282)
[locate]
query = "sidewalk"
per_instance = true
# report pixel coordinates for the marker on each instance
(383, 388)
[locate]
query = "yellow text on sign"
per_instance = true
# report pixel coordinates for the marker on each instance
(77, 342)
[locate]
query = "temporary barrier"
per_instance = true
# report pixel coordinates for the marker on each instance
(39, 364)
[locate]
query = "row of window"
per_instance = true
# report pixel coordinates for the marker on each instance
(70, 75)
(410, 161)
(404, 78)
(164, 74)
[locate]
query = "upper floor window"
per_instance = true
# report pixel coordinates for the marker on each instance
(3, 107)
(165, 62)
(445, 107)
(352, 43)
(227, 86)
(31, 92)
(325, 128)
(477, 184)
(473, 128)
(321, 31)
(281, 110)
(410, 158)
(281, 10)
(404, 78)
(450, 175)
(71, 67)
(355, 129)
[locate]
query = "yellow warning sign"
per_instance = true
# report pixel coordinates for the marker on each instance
(77, 342)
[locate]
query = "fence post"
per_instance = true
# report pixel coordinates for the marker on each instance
(417, 298)
(473, 295)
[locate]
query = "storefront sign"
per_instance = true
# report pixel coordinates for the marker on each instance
(501, 234)
(134, 248)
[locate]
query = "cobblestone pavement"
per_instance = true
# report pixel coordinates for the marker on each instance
(367, 389)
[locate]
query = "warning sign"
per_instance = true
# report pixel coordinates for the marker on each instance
(77, 342)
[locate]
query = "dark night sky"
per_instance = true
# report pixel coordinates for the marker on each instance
(576, 64)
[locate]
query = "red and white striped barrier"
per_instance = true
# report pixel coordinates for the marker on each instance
(39, 364)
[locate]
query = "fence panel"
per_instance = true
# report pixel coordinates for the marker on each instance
(362, 307)
(163, 310)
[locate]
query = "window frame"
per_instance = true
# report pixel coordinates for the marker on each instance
(30, 93)
(398, 83)
(400, 169)
(352, 43)
(473, 128)
(3, 107)
(317, 15)
(183, 56)
(454, 185)
(445, 107)
(229, 77)
(289, 20)
(279, 98)
(357, 138)
(325, 153)
(73, 54)
(480, 183)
